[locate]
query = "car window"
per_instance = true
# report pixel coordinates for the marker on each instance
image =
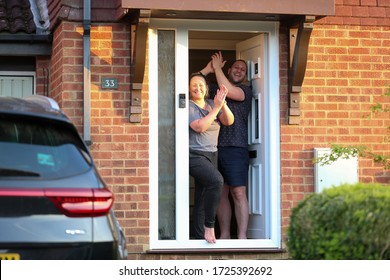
(41, 149)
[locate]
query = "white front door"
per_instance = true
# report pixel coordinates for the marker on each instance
(169, 46)
(253, 51)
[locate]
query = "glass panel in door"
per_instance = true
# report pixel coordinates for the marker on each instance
(166, 135)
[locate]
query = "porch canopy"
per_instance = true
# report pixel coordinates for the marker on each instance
(279, 10)
(297, 15)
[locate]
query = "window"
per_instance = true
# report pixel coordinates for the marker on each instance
(40, 149)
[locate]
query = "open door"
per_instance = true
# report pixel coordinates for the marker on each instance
(253, 52)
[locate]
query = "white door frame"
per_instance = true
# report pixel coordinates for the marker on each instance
(272, 131)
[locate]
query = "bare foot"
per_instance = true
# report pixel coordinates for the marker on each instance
(209, 235)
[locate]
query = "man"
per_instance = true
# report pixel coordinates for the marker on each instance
(233, 158)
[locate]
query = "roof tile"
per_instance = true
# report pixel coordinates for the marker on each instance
(16, 17)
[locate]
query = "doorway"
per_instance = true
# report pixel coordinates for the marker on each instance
(251, 48)
(193, 43)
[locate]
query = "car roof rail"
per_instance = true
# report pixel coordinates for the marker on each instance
(43, 101)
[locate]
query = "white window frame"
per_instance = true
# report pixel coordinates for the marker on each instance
(181, 28)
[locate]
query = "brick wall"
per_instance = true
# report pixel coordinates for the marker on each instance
(67, 71)
(42, 75)
(348, 71)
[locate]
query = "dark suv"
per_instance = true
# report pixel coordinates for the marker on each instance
(53, 202)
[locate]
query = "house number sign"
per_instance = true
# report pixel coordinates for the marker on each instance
(111, 83)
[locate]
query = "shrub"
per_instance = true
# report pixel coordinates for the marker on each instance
(350, 222)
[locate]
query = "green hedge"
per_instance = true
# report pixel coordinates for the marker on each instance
(349, 222)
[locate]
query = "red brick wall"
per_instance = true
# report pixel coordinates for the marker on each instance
(348, 71)
(67, 71)
(42, 75)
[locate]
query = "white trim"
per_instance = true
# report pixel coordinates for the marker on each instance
(153, 141)
(17, 73)
(216, 25)
(272, 128)
(182, 167)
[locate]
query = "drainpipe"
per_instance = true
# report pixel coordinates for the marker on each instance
(87, 71)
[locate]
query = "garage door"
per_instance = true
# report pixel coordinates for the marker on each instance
(16, 85)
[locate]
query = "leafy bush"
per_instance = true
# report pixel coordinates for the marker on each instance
(349, 222)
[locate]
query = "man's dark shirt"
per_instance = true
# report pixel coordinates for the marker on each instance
(235, 135)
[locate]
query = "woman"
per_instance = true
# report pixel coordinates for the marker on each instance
(205, 117)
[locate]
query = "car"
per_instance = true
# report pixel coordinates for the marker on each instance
(54, 205)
